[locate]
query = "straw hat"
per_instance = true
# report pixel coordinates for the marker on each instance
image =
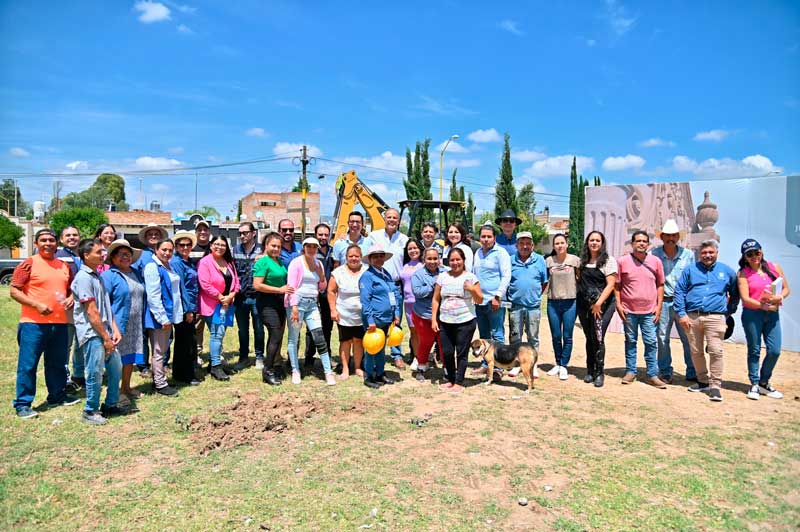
(122, 243)
(180, 235)
(377, 249)
(143, 231)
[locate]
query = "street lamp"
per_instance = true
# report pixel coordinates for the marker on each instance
(441, 166)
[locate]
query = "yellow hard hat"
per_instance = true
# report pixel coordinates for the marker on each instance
(395, 336)
(374, 341)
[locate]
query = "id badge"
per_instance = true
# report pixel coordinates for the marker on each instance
(392, 299)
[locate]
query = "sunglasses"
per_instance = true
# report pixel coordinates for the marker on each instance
(752, 253)
(244, 233)
(287, 229)
(185, 245)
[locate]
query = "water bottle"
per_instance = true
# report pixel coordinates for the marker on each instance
(61, 299)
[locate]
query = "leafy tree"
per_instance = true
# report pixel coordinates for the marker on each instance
(106, 188)
(239, 210)
(526, 202)
(7, 189)
(575, 236)
(86, 219)
(505, 193)
(10, 234)
(206, 211)
(301, 184)
(470, 214)
(418, 181)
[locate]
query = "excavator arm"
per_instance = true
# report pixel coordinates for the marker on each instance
(351, 191)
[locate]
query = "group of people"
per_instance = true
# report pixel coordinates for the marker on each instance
(120, 309)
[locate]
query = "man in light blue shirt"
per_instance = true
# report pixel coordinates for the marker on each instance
(355, 222)
(528, 282)
(492, 267)
(674, 259)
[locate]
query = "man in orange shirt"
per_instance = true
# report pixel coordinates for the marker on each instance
(41, 285)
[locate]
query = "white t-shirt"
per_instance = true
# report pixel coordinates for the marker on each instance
(309, 287)
(348, 298)
(456, 305)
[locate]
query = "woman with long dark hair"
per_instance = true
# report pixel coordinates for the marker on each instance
(596, 304)
(561, 302)
(412, 261)
(456, 237)
(423, 283)
(106, 233)
(762, 296)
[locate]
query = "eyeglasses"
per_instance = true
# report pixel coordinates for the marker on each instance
(244, 233)
(185, 245)
(287, 229)
(752, 253)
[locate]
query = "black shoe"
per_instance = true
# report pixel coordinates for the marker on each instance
(598, 382)
(588, 378)
(243, 363)
(194, 382)
(218, 373)
(370, 383)
(420, 376)
(167, 390)
(384, 379)
(228, 369)
(270, 378)
(115, 410)
(68, 400)
(72, 388)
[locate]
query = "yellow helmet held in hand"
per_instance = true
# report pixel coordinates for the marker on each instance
(395, 336)
(374, 341)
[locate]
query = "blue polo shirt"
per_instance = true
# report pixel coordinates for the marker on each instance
(493, 270)
(509, 244)
(702, 289)
(287, 256)
(527, 279)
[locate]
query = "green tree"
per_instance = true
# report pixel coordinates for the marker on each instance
(10, 234)
(206, 211)
(575, 236)
(105, 189)
(505, 195)
(86, 219)
(597, 180)
(418, 181)
(526, 201)
(239, 211)
(7, 189)
(470, 214)
(301, 184)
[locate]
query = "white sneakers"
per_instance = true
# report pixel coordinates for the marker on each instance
(259, 363)
(513, 372)
(535, 372)
(769, 391)
(554, 371)
(562, 373)
(330, 379)
(296, 377)
(753, 393)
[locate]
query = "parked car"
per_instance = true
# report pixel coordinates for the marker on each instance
(7, 270)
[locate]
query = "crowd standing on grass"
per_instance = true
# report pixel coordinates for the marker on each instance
(116, 307)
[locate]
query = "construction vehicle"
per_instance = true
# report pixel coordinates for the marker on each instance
(351, 191)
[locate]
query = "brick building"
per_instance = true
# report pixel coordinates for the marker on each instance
(129, 223)
(266, 209)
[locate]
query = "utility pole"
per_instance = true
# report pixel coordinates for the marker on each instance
(195, 192)
(16, 193)
(141, 199)
(304, 190)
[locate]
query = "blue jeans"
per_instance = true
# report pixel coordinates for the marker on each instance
(490, 323)
(308, 313)
(665, 322)
(77, 355)
(216, 334)
(34, 339)
(526, 320)
(758, 323)
(95, 357)
(561, 315)
(633, 323)
(246, 309)
(374, 364)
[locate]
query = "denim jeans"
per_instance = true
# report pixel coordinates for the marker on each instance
(633, 323)
(374, 365)
(758, 323)
(561, 315)
(490, 323)
(526, 320)
(95, 357)
(35, 339)
(216, 334)
(308, 313)
(246, 309)
(77, 355)
(669, 318)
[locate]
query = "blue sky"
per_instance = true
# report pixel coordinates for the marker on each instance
(637, 91)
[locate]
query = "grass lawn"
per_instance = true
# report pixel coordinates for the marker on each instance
(618, 458)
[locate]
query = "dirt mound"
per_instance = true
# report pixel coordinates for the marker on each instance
(248, 420)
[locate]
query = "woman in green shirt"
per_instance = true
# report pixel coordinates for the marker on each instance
(269, 280)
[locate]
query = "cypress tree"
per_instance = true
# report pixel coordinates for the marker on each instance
(470, 212)
(505, 193)
(574, 240)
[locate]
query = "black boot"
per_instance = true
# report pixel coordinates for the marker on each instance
(218, 373)
(598, 381)
(588, 378)
(270, 378)
(369, 382)
(384, 379)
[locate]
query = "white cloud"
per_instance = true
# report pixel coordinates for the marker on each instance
(511, 26)
(159, 187)
(485, 135)
(453, 147)
(713, 135)
(590, 42)
(186, 30)
(151, 11)
(617, 16)
(293, 149)
(18, 152)
(177, 150)
(626, 162)
(527, 155)
(156, 163)
(189, 10)
(463, 163)
(558, 166)
(442, 108)
(289, 104)
(77, 165)
(255, 132)
(386, 160)
(751, 166)
(655, 141)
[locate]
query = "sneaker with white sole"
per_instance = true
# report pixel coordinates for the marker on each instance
(535, 372)
(296, 379)
(753, 393)
(769, 391)
(259, 363)
(513, 372)
(330, 379)
(562, 373)
(699, 387)
(715, 394)
(554, 371)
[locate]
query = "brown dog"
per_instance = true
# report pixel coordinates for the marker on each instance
(506, 357)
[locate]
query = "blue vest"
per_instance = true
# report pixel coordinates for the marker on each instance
(166, 298)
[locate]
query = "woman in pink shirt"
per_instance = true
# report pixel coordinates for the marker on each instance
(762, 296)
(411, 263)
(219, 283)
